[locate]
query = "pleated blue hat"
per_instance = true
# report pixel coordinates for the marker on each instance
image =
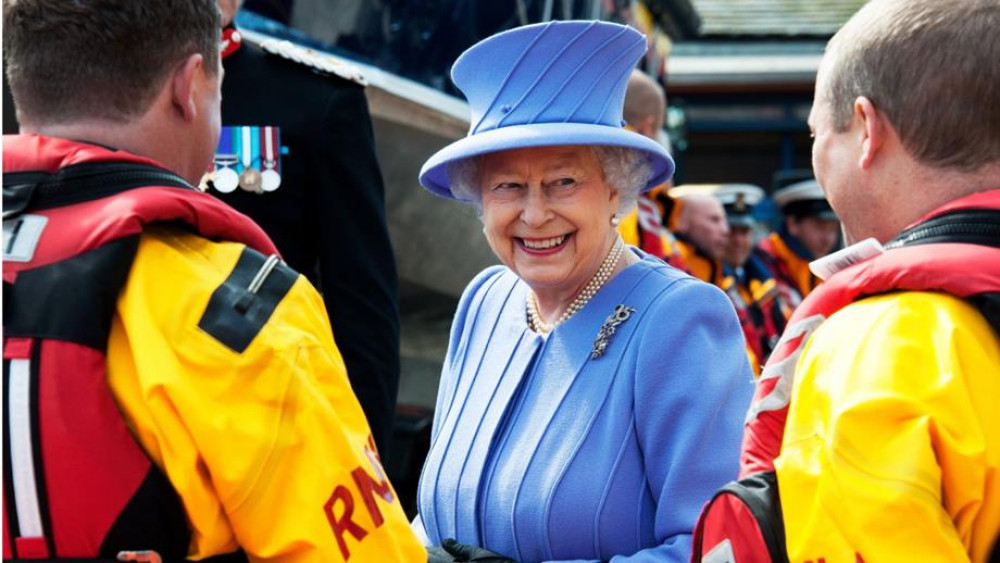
(550, 84)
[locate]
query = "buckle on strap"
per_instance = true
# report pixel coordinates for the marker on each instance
(17, 197)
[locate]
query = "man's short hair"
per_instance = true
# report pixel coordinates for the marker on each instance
(69, 60)
(933, 68)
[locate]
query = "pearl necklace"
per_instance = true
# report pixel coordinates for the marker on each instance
(538, 324)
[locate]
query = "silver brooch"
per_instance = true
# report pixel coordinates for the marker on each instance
(620, 315)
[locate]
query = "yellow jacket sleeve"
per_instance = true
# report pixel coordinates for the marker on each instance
(268, 447)
(892, 446)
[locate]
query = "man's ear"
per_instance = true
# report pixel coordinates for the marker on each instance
(182, 86)
(649, 126)
(873, 130)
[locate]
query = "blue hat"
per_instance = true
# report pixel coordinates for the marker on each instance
(550, 84)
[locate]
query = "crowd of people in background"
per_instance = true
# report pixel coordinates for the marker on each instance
(644, 371)
(710, 231)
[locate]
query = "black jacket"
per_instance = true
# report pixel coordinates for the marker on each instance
(328, 216)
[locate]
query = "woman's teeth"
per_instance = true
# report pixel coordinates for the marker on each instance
(543, 244)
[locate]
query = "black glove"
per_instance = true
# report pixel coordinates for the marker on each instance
(439, 555)
(470, 553)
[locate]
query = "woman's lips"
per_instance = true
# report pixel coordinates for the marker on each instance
(543, 246)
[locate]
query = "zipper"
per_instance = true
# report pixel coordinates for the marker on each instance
(969, 226)
(89, 181)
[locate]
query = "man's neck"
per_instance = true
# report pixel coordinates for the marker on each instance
(134, 137)
(927, 189)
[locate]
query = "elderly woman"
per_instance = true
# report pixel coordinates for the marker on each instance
(592, 397)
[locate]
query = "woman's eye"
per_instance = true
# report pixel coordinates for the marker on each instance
(565, 182)
(507, 186)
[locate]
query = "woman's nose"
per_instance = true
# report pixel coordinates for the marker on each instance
(536, 208)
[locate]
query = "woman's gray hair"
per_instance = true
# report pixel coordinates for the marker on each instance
(626, 170)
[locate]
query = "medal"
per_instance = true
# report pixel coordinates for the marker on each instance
(250, 180)
(250, 176)
(269, 180)
(270, 177)
(224, 178)
(240, 149)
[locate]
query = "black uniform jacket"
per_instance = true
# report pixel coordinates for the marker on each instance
(328, 216)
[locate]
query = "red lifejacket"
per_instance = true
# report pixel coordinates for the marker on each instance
(955, 250)
(76, 482)
(963, 270)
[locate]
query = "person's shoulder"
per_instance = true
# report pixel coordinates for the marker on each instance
(226, 290)
(655, 272)
(204, 260)
(919, 313)
(906, 339)
(673, 286)
(486, 280)
(300, 62)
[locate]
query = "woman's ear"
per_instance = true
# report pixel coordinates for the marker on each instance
(615, 199)
(183, 86)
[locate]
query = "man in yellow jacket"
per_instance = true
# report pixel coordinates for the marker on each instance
(205, 409)
(891, 373)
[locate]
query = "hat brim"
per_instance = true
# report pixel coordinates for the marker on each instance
(434, 174)
(741, 221)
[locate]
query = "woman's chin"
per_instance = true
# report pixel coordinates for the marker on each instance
(543, 280)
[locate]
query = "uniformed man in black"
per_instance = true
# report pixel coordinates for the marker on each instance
(327, 216)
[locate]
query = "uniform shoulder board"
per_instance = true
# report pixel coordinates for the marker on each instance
(323, 63)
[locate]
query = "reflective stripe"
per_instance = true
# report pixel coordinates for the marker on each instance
(29, 516)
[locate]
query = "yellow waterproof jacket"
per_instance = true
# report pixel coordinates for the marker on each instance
(267, 447)
(892, 451)
(877, 410)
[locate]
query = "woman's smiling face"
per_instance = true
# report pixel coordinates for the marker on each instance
(547, 213)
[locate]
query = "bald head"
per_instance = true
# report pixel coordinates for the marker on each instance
(645, 104)
(703, 220)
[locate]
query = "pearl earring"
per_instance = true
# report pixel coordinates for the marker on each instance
(615, 220)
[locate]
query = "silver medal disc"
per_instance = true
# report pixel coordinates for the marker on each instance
(269, 180)
(226, 180)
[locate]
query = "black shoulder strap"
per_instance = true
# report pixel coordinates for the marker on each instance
(34, 190)
(242, 305)
(968, 226)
